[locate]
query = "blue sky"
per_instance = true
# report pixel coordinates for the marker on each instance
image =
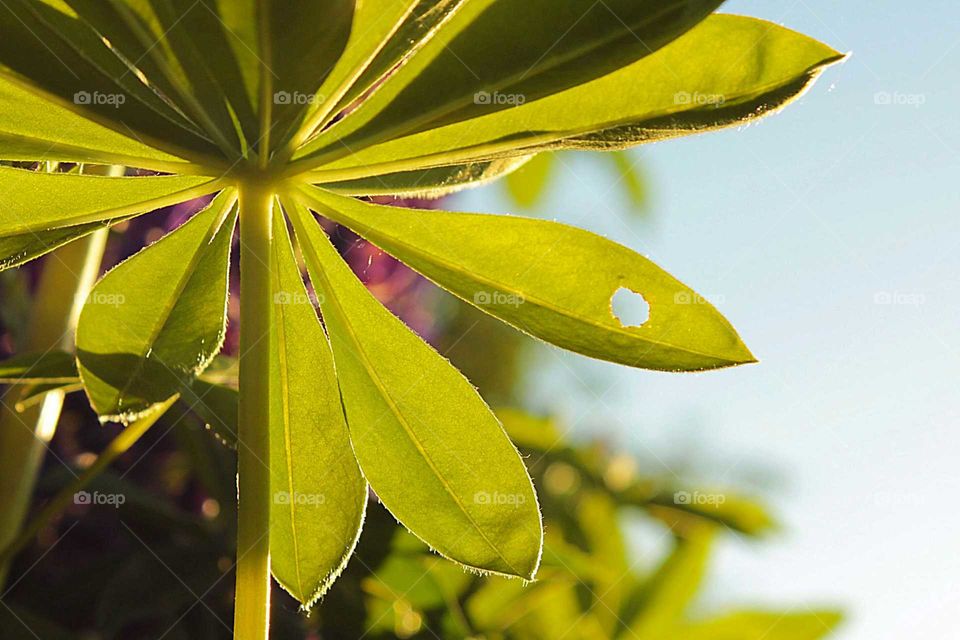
(830, 237)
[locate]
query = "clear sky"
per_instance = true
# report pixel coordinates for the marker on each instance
(830, 236)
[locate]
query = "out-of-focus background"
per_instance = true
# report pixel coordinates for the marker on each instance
(830, 236)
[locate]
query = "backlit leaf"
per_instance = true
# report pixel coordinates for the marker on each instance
(552, 281)
(319, 495)
(37, 201)
(427, 443)
(155, 321)
(727, 70)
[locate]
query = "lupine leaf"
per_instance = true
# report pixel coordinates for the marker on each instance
(760, 625)
(170, 42)
(429, 183)
(528, 185)
(427, 443)
(552, 281)
(727, 70)
(155, 321)
(319, 495)
(669, 591)
(298, 60)
(48, 45)
(420, 23)
(375, 23)
(573, 42)
(32, 128)
(50, 366)
(36, 201)
(20, 249)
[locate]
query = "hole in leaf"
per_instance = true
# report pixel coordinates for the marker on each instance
(630, 308)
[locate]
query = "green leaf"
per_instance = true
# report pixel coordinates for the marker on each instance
(372, 42)
(421, 20)
(49, 46)
(182, 47)
(32, 128)
(154, 322)
(629, 175)
(216, 405)
(527, 185)
(467, 72)
(759, 625)
(47, 367)
(300, 43)
(19, 249)
(319, 494)
(742, 68)
(427, 443)
(37, 201)
(668, 593)
(552, 281)
(429, 183)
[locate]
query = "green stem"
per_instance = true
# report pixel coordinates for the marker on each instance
(252, 614)
(117, 447)
(66, 279)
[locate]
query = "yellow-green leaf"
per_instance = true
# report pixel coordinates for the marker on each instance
(427, 443)
(156, 321)
(319, 495)
(550, 280)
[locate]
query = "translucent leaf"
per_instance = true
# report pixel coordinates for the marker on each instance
(761, 625)
(670, 590)
(319, 495)
(552, 281)
(467, 72)
(35, 129)
(726, 71)
(47, 367)
(48, 45)
(36, 201)
(527, 185)
(155, 321)
(429, 183)
(427, 443)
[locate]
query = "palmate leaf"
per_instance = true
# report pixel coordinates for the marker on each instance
(319, 495)
(411, 97)
(154, 322)
(429, 446)
(553, 281)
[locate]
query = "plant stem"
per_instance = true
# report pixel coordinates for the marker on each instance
(251, 617)
(117, 447)
(67, 277)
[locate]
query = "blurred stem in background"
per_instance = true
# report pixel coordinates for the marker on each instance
(66, 278)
